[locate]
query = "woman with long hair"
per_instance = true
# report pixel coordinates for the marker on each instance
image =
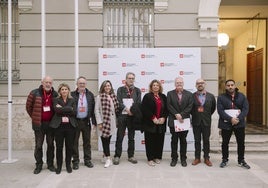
(106, 108)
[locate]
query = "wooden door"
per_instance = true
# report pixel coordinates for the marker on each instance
(255, 86)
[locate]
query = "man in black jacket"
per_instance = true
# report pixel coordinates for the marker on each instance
(85, 112)
(203, 107)
(128, 96)
(233, 108)
(179, 105)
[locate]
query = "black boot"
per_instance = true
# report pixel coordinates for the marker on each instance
(51, 168)
(69, 168)
(58, 169)
(38, 168)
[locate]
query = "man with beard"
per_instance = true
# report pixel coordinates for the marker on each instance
(233, 108)
(203, 107)
(40, 109)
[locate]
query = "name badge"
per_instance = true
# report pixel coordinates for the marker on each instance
(200, 109)
(46, 108)
(65, 120)
(82, 109)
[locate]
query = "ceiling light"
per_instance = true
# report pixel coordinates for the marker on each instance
(223, 39)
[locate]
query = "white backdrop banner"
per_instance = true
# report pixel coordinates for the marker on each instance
(164, 64)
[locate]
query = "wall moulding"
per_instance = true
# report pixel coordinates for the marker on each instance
(25, 5)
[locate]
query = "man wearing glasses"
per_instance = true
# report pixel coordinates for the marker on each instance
(129, 97)
(203, 107)
(85, 112)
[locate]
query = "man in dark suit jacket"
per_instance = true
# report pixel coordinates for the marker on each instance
(179, 104)
(203, 108)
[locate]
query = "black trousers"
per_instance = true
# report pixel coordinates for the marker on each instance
(174, 144)
(48, 132)
(106, 145)
(154, 143)
(240, 139)
(65, 133)
(86, 137)
(201, 131)
(123, 123)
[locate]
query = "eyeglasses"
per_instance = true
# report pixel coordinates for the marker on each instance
(197, 83)
(131, 78)
(81, 83)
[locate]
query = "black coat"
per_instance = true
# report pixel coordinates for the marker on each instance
(225, 102)
(90, 102)
(209, 108)
(149, 110)
(67, 109)
(174, 107)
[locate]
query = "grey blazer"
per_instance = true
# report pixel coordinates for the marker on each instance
(174, 107)
(68, 109)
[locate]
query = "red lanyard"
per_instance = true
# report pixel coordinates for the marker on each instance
(46, 97)
(81, 99)
(201, 102)
(233, 102)
(129, 92)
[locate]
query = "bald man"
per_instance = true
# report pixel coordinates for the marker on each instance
(203, 107)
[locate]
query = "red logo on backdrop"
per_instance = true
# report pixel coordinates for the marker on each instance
(142, 55)
(162, 81)
(181, 73)
(124, 64)
(104, 73)
(143, 90)
(162, 64)
(104, 55)
(181, 55)
(142, 73)
(142, 141)
(123, 81)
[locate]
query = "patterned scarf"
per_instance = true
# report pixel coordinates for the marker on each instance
(106, 110)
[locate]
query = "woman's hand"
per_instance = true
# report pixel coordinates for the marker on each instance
(100, 126)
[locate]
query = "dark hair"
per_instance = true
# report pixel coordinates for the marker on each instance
(159, 83)
(103, 86)
(130, 73)
(229, 80)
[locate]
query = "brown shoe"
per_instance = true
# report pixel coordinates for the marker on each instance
(196, 161)
(207, 162)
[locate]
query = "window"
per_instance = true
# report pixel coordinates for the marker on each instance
(4, 40)
(128, 23)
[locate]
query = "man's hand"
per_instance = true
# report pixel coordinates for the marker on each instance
(234, 121)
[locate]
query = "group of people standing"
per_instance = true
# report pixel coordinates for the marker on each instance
(63, 115)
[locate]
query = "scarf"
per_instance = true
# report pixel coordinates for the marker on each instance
(106, 110)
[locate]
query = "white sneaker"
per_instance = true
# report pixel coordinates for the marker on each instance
(108, 162)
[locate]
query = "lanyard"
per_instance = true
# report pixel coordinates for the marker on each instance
(200, 100)
(232, 105)
(46, 97)
(129, 92)
(81, 98)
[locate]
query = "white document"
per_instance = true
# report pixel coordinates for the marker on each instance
(128, 103)
(232, 112)
(186, 125)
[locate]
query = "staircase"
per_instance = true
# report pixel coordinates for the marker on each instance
(253, 143)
